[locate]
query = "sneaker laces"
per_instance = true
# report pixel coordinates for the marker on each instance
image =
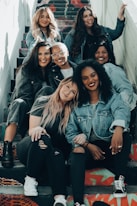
(119, 184)
(77, 204)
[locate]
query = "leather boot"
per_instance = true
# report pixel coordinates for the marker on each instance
(7, 159)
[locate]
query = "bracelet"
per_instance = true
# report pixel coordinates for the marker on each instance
(86, 144)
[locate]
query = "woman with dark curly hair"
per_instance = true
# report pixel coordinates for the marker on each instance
(97, 130)
(86, 32)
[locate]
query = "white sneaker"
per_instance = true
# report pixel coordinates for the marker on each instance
(30, 186)
(60, 201)
(119, 187)
(77, 204)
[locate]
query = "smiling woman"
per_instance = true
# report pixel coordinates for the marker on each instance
(97, 129)
(48, 119)
(31, 81)
(62, 67)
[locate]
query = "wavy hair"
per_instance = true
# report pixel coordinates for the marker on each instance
(105, 82)
(32, 64)
(81, 32)
(54, 108)
(52, 28)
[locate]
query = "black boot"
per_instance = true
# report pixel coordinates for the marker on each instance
(7, 159)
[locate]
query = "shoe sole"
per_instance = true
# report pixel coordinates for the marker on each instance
(120, 195)
(30, 194)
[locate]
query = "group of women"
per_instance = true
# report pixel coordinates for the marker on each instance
(75, 104)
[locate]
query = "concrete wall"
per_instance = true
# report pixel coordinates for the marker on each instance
(126, 46)
(14, 16)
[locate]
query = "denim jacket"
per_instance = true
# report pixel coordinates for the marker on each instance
(28, 86)
(121, 84)
(102, 120)
(30, 41)
(111, 34)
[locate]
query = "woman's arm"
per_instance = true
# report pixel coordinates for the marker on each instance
(121, 84)
(121, 13)
(35, 130)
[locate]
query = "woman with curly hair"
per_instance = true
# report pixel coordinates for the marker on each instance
(82, 39)
(97, 130)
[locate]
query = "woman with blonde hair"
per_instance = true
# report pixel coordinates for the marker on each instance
(48, 147)
(43, 28)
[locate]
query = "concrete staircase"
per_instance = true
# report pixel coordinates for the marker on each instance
(98, 182)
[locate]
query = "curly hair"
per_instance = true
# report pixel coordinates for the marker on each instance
(52, 28)
(105, 82)
(103, 41)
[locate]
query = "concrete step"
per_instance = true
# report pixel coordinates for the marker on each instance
(73, 2)
(19, 61)
(23, 44)
(91, 194)
(23, 52)
(24, 36)
(46, 190)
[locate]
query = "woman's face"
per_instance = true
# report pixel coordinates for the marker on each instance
(68, 92)
(90, 79)
(88, 18)
(44, 19)
(59, 55)
(101, 55)
(44, 56)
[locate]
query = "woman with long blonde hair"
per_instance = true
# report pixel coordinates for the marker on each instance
(48, 147)
(43, 28)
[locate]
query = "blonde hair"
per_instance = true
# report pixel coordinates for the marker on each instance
(54, 108)
(52, 28)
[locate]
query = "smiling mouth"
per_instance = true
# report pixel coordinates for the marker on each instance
(91, 84)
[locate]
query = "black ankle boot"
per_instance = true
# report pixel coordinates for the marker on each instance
(7, 159)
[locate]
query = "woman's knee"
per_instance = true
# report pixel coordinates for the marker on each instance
(78, 150)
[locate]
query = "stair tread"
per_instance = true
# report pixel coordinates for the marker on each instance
(46, 190)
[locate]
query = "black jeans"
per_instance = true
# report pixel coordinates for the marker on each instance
(82, 161)
(37, 158)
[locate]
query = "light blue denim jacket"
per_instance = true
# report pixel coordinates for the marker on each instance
(31, 41)
(121, 84)
(102, 120)
(111, 34)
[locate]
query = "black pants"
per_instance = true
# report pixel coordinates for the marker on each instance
(37, 160)
(81, 161)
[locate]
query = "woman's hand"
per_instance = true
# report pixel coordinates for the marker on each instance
(96, 152)
(80, 139)
(117, 140)
(121, 12)
(36, 133)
